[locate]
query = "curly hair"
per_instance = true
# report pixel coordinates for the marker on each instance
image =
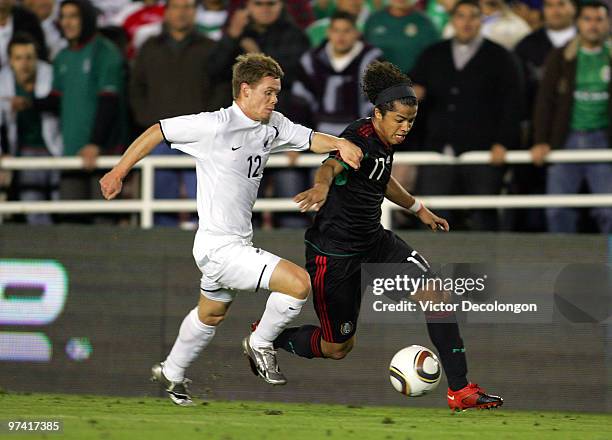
(381, 75)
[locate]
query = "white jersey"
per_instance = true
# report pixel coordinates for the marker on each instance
(231, 151)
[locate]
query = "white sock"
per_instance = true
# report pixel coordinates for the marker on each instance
(280, 310)
(193, 337)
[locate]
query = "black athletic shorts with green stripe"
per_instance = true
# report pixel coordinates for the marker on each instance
(336, 281)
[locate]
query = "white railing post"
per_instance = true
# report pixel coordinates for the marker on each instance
(147, 188)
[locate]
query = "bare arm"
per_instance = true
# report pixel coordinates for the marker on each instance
(316, 196)
(111, 183)
(324, 143)
(398, 195)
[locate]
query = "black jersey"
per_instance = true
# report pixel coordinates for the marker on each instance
(349, 222)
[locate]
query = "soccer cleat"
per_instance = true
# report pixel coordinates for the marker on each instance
(472, 396)
(263, 363)
(177, 391)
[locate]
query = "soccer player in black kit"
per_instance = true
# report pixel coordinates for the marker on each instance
(347, 232)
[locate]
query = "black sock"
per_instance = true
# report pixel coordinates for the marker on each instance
(444, 333)
(304, 341)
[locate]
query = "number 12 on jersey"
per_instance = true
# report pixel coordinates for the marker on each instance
(254, 160)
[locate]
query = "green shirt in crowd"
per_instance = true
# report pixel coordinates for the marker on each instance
(80, 76)
(320, 12)
(437, 14)
(317, 31)
(590, 111)
(402, 39)
(29, 123)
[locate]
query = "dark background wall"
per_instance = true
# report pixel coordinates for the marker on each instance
(129, 289)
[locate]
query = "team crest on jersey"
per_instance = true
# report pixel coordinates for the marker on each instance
(411, 30)
(86, 65)
(605, 73)
(346, 328)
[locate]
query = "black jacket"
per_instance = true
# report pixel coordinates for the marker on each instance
(475, 107)
(532, 52)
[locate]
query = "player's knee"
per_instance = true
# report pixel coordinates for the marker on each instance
(212, 319)
(340, 351)
(301, 284)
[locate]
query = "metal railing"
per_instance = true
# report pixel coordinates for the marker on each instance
(146, 206)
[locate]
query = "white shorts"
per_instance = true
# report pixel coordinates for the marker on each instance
(236, 266)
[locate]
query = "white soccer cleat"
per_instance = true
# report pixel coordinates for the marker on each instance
(177, 391)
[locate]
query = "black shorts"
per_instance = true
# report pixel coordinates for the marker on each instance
(336, 282)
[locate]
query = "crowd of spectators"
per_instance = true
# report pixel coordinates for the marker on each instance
(84, 77)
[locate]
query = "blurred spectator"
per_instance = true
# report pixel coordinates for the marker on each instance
(472, 87)
(300, 11)
(401, 32)
(532, 50)
(329, 80)
(169, 79)
(14, 20)
(573, 112)
(211, 15)
(210, 18)
(29, 132)
(46, 11)
(317, 31)
(501, 25)
(88, 89)
(135, 16)
(262, 27)
(528, 10)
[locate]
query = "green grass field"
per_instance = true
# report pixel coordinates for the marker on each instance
(95, 417)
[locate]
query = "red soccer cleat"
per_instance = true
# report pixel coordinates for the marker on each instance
(472, 396)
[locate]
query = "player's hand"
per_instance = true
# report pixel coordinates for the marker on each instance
(434, 222)
(5, 175)
(111, 185)
(350, 153)
(539, 153)
(239, 20)
(498, 154)
(89, 153)
(313, 198)
(20, 103)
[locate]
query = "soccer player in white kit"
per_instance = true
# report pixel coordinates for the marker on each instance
(231, 147)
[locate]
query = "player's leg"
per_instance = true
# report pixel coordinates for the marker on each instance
(290, 286)
(337, 300)
(443, 328)
(240, 266)
(196, 332)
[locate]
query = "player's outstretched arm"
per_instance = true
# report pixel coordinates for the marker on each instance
(315, 197)
(324, 143)
(398, 195)
(112, 181)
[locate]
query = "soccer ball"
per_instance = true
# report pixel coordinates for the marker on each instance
(415, 371)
